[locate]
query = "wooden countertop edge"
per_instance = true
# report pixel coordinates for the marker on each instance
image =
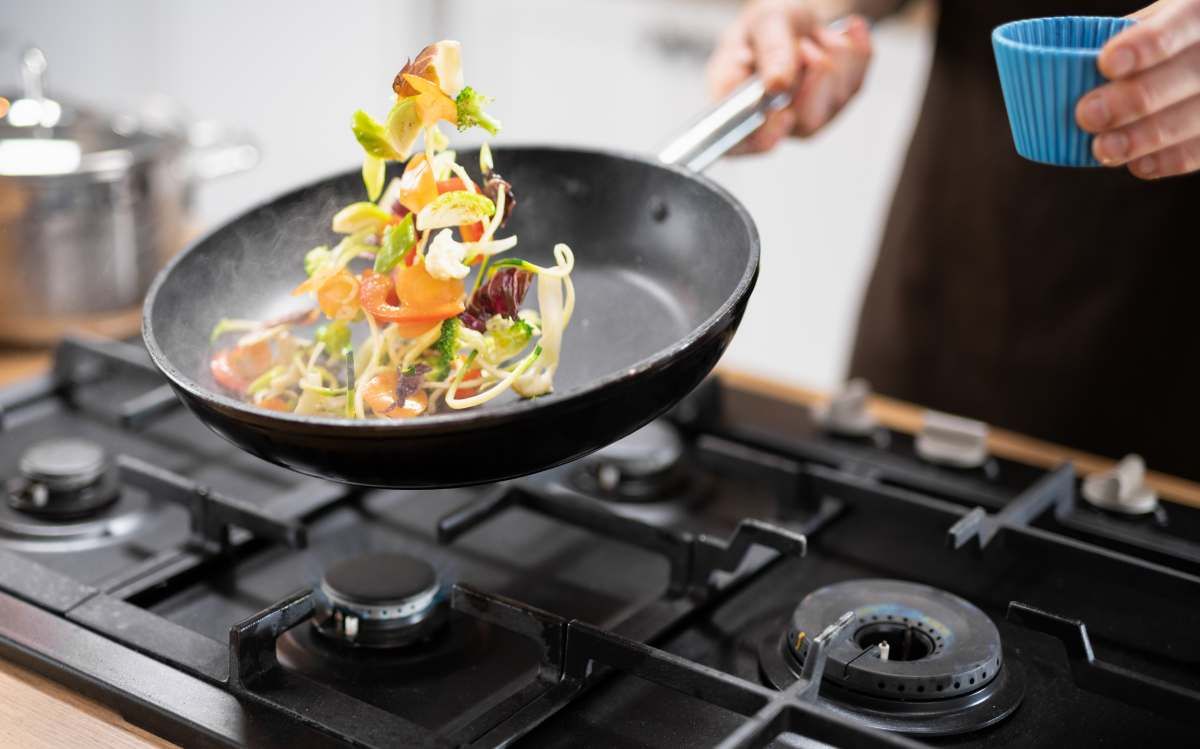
(39, 713)
(17, 365)
(905, 417)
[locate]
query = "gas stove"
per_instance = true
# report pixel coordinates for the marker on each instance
(741, 573)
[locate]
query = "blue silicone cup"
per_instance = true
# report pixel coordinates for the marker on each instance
(1046, 65)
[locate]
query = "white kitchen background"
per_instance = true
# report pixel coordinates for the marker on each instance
(622, 74)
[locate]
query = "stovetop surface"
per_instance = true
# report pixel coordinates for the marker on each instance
(551, 589)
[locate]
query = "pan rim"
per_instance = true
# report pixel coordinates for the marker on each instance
(470, 418)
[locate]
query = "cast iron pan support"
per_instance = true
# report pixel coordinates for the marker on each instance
(693, 558)
(1100, 677)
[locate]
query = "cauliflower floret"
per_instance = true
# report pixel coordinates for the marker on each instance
(445, 256)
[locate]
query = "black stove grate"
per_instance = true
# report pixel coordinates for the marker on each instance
(827, 494)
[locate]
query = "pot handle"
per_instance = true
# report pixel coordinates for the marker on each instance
(727, 123)
(218, 151)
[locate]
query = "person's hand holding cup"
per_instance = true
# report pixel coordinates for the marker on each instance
(1147, 118)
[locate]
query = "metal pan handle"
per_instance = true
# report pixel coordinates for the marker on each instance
(728, 123)
(724, 126)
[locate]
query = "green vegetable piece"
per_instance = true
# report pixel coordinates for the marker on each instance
(350, 384)
(470, 104)
(455, 208)
(436, 138)
(373, 137)
(373, 171)
(398, 240)
(325, 392)
(504, 341)
(315, 258)
(485, 159)
(358, 217)
(336, 337)
(445, 348)
(511, 262)
(263, 380)
(223, 326)
(403, 126)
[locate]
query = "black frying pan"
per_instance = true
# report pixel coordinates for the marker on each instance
(664, 264)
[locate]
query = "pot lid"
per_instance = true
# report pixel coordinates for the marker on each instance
(42, 137)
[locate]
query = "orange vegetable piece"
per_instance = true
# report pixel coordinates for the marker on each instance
(338, 296)
(418, 188)
(379, 394)
(236, 367)
(431, 101)
(416, 288)
(378, 295)
(472, 374)
(275, 403)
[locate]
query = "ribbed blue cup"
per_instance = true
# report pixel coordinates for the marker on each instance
(1046, 65)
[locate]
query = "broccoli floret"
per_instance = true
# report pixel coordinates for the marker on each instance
(445, 349)
(470, 104)
(506, 337)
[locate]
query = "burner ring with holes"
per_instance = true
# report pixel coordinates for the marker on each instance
(945, 671)
(379, 600)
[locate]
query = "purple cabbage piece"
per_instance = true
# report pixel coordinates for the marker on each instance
(491, 188)
(409, 382)
(502, 294)
(473, 322)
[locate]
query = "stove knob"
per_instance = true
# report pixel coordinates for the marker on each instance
(952, 440)
(1122, 488)
(846, 412)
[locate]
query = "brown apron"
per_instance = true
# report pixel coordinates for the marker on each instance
(1052, 301)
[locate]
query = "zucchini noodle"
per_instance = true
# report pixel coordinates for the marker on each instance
(419, 346)
(462, 174)
(369, 371)
(480, 398)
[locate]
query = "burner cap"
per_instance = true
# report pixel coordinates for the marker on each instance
(379, 600)
(384, 579)
(914, 658)
(63, 479)
(646, 465)
(64, 464)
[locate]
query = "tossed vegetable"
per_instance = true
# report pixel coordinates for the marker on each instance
(427, 334)
(469, 107)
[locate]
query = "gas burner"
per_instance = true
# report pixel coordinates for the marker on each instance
(642, 467)
(69, 498)
(916, 659)
(307, 650)
(379, 600)
(63, 479)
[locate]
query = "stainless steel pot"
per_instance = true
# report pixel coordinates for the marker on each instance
(91, 206)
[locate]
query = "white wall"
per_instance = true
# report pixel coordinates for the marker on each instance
(612, 73)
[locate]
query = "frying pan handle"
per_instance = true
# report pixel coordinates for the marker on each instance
(724, 126)
(728, 123)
